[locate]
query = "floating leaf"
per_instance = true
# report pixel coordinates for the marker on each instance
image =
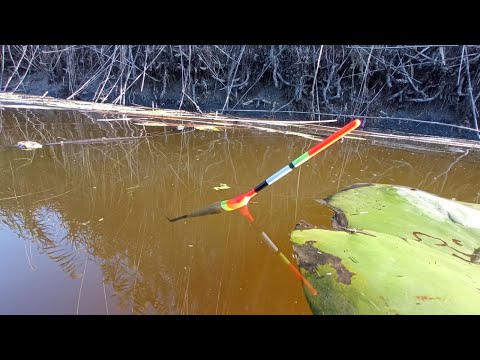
(394, 250)
(221, 187)
(206, 128)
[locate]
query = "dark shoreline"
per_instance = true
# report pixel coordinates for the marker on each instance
(404, 89)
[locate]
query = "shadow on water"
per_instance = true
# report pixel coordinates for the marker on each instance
(97, 212)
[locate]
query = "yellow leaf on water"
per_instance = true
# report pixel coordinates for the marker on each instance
(207, 127)
(221, 187)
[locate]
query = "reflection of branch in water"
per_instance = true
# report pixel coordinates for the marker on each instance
(53, 197)
(448, 170)
(29, 257)
(345, 160)
(136, 275)
(50, 130)
(226, 149)
(35, 126)
(34, 225)
(60, 220)
(26, 225)
(424, 177)
(81, 283)
(178, 177)
(105, 294)
(393, 167)
(19, 127)
(65, 258)
(20, 196)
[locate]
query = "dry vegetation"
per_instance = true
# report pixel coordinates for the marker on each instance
(366, 81)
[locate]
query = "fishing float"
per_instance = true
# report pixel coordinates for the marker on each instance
(243, 199)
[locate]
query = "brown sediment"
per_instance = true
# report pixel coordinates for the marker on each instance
(309, 257)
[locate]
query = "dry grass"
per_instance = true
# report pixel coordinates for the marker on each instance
(358, 80)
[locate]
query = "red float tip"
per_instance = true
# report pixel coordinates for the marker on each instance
(358, 121)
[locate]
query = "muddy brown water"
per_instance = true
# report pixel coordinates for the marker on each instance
(83, 227)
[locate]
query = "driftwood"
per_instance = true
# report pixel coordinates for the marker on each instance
(309, 129)
(94, 141)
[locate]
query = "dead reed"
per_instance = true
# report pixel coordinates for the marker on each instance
(360, 80)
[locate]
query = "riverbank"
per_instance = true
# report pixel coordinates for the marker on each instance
(311, 129)
(428, 90)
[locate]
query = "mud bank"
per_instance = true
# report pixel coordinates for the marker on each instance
(417, 90)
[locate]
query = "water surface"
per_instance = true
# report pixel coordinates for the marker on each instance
(83, 227)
